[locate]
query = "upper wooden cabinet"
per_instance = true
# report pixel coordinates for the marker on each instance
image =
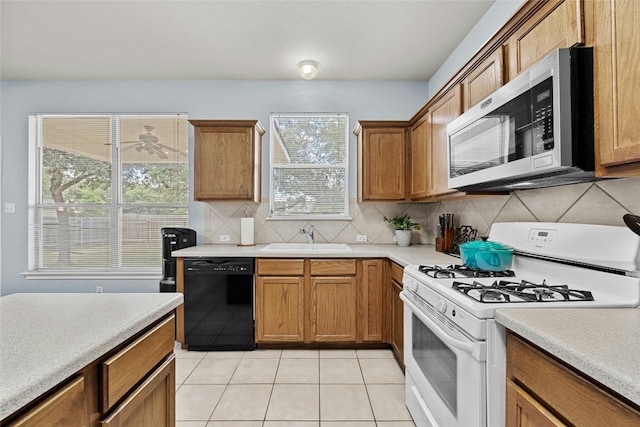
(419, 155)
(440, 114)
(382, 160)
(484, 79)
(616, 84)
(556, 24)
(227, 159)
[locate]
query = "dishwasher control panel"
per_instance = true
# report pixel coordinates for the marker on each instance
(218, 265)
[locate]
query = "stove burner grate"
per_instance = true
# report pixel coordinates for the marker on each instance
(455, 271)
(523, 291)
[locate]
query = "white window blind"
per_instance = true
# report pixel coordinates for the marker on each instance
(309, 166)
(101, 188)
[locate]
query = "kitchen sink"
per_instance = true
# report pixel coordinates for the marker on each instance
(306, 247)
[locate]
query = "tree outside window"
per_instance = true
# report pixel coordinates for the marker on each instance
(309, 166)
(102, 188)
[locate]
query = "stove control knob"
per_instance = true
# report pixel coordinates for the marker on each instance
(441, 306)
(413, 286)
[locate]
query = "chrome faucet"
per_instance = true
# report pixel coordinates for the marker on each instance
(309, 233)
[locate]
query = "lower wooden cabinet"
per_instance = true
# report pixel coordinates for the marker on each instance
(66, 407)
(131, 386)
(370, 303)
(526, 411)
(542, 391)
(320, 300)
(279, 300)
(279, 308)
(396, 315)
(150, 404)
(332, 315)
(122, 371)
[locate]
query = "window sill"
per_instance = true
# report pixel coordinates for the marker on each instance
(90, 275)
(309, 218)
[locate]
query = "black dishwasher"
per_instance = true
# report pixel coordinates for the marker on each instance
(218, 304)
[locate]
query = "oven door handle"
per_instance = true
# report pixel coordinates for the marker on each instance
(477, 350)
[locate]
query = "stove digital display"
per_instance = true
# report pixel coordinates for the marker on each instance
(539, 236)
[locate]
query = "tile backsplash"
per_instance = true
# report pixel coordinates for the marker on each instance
(602, 202)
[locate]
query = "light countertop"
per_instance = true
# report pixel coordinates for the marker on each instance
(414, 254)
(46, 338)
(603, 343)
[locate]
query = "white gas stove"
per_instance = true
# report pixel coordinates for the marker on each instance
(449, 312)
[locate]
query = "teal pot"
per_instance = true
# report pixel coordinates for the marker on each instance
(491, 256)
(403, 237)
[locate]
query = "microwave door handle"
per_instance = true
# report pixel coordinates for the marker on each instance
(476, 351)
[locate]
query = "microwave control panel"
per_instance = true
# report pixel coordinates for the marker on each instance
(542, 105)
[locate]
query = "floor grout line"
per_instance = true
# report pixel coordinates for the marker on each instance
(319, 385)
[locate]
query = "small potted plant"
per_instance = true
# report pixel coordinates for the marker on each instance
(403, 226)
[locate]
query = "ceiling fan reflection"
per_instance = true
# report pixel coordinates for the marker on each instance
(149, 143)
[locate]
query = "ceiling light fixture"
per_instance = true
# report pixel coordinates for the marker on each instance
(308, 69)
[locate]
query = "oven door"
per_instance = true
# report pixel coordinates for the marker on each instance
(445, 369)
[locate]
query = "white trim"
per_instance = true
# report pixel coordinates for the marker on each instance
(80, 275)
(344, 166)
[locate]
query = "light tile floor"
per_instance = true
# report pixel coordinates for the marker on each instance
(290, 388)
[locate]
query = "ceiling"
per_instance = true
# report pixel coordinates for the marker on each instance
(231, 40)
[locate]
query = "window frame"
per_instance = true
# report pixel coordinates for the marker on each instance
(272, 166)
(115, 270)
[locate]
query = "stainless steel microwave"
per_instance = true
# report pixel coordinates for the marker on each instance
(535, 131)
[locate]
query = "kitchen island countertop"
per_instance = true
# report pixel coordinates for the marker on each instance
(603, 343)
(46, 338)
(414, 254)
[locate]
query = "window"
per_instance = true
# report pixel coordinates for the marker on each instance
(309, 166)
(101, 188)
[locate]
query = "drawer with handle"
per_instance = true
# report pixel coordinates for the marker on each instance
(126, 368)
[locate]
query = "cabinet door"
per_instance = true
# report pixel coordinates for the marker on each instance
(227, 160)
(420, 169)
(382, 164)
(443, 112)
(397, 313)
(279, 308)
(483, 80)
(557, 24)
(617, 87)
(371, 308)
(152, 404)
(66, 407)
(524, 411)
(566, 393)
(333, 309)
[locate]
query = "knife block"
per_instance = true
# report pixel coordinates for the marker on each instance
(445, 244)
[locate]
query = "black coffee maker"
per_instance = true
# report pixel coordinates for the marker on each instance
(173, 239)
